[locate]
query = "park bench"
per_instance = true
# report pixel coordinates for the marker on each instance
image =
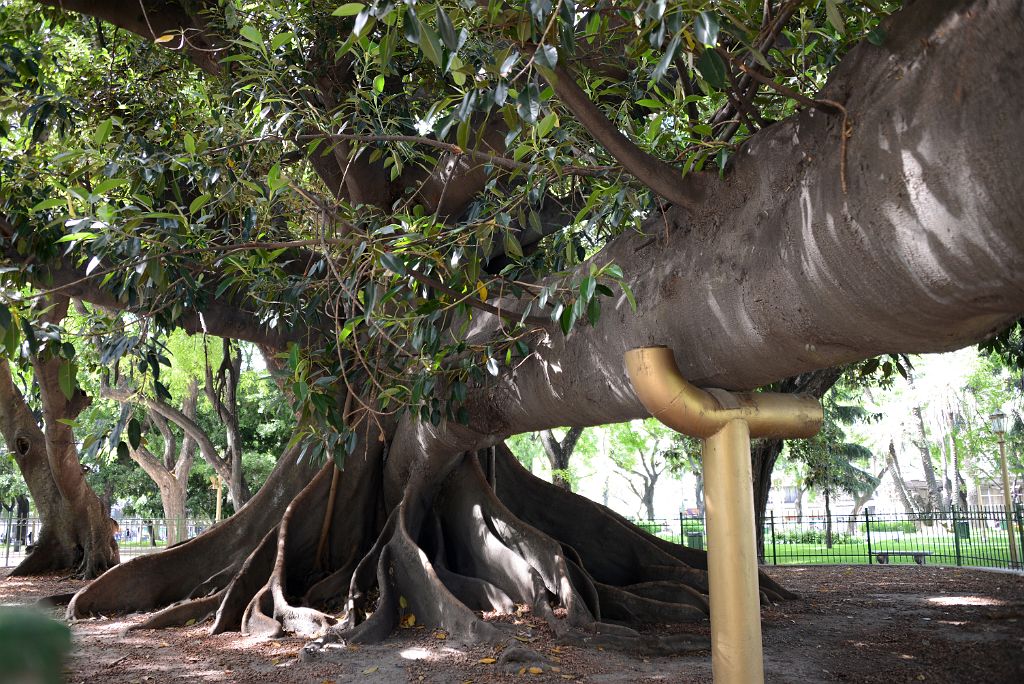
(883, 556)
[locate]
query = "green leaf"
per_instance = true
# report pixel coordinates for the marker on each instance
(73, 237)
(512, 247)
(835, 17)
(349, 9)
(546, 56)
(102, 132)
(378, 84)
(122, 451)
(252, 34)
(666, 59)
(706, 29)
(430, 44)
(199, 202)
(546, 124)
(190, 143)
(66, 379)
(393, 263)
(51, 203)
(876, 36)
(712, 68)
(628, 291)
(109, 184)
(594, 311)
(448, 35)
(492, 366)
(281, 39)
(134, 433)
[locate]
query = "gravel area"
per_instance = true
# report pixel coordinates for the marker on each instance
(852, 624)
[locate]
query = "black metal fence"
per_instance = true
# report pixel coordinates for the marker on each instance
(135, 536)
(970, 537)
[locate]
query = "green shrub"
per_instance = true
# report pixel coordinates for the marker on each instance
(814, 537)
(905, 526)
(32, 646)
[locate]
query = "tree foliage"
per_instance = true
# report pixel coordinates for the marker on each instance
(374, 177)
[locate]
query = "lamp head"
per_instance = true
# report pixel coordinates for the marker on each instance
(999, 422)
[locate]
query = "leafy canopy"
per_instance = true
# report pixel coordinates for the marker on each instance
(369, 181)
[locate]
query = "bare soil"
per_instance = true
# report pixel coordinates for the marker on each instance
(851, 624)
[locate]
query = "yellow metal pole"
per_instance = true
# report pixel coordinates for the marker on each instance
(725, 421)
(736, 656)
(1008, 504)
(218, 483)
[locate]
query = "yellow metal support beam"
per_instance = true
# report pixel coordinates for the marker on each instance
(726, 421)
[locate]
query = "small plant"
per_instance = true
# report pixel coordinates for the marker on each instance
(814, 537)
(905, 526)
(32, 646)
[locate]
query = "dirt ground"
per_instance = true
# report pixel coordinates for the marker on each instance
(851, 624)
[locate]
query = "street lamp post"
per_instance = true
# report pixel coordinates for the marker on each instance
(999, 421)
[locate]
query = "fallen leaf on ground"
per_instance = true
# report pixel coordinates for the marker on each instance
(407, 621)
(440, 635)
(370, 670)
(487, 661)
(536, 670)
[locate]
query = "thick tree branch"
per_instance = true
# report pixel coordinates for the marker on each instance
(188, 425)
(661, 178)
(152, 19)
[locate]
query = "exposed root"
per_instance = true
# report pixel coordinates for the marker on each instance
(451, 548)
(185, 613)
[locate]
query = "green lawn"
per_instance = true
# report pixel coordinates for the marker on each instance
(992, 551)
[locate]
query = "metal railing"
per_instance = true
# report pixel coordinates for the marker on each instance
(964, 537)
(135, 536)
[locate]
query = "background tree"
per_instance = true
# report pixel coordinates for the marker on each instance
(829, 459)
(639, 450)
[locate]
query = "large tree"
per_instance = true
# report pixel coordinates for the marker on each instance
(400, 200)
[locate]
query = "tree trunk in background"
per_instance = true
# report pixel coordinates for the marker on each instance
(828, 520)
(68, 525)
(22, 508)
(223, 395)
(902, 492)
(934, 502)
(765, 452)
(763, 455)
(558, 454)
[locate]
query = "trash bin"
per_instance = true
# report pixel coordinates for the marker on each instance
(695, 540)
(963, 529)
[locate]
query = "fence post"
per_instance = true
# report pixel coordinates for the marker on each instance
(1020, 526)
(867, 529)
(775, 559)
(956, 535)
(7, 558)
(682, 532)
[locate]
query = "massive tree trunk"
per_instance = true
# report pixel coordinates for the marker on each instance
(925, 239)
